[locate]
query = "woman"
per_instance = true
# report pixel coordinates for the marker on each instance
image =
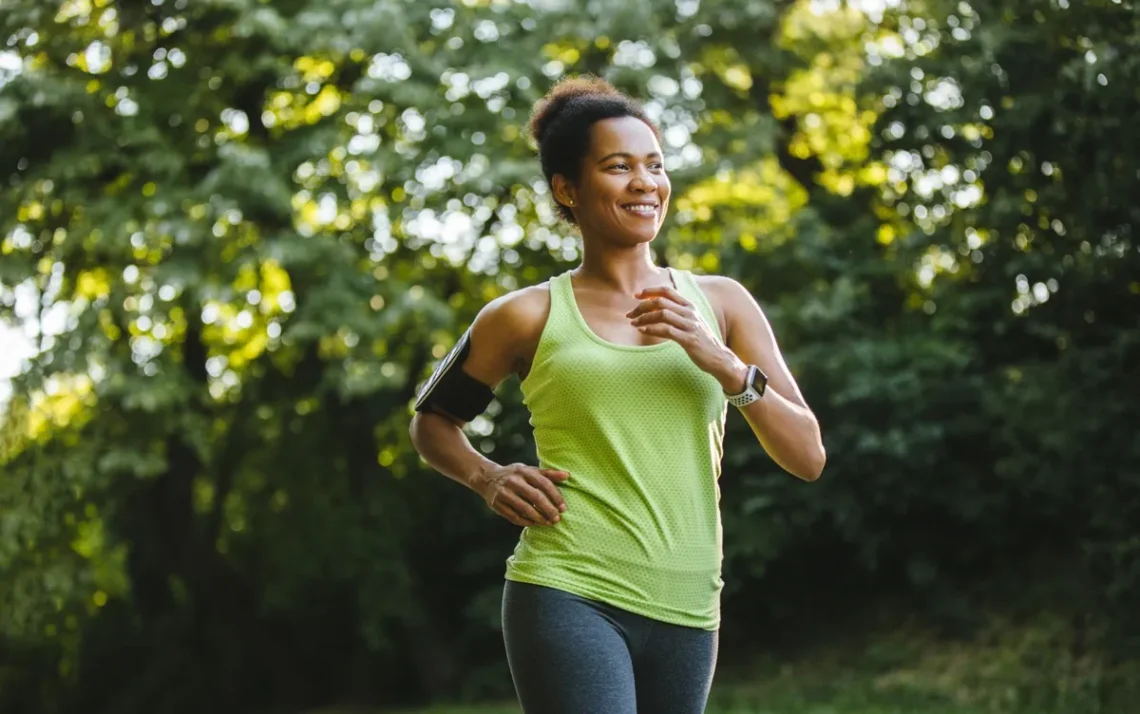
(612, 596)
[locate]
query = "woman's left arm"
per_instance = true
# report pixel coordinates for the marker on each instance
(781, 419)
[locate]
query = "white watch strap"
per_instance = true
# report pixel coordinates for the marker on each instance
(743, 400)
(749, 394)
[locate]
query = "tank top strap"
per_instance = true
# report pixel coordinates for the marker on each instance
(687, 285)
(561, 314)
(560, 328)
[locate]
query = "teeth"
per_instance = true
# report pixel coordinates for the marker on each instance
(642, 209)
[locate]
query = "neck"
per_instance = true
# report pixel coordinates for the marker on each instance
(626, 269)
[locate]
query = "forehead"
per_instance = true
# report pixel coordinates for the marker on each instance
(622, 134)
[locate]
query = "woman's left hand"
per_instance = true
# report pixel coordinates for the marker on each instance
(666, 313)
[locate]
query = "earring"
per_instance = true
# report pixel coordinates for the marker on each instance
(571, 202)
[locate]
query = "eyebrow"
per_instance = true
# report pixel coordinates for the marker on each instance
(625, 155)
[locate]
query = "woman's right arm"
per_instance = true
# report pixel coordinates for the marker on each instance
(502, 336)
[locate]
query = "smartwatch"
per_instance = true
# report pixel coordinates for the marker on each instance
(754, 385)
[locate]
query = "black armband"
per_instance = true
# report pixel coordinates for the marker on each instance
(452, 390)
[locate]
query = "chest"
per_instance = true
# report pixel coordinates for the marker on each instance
(605, 316)
(590, 382)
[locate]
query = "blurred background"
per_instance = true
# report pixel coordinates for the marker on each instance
(236, 234)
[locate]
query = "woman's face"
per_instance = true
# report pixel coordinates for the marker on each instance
(622, 192)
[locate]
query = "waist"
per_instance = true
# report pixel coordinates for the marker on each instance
(616, 541)
(683, 591)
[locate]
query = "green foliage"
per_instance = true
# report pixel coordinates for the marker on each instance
(240, 232)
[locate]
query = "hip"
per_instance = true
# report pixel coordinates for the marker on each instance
(685, 596)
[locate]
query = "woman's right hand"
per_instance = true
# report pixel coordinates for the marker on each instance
(524, 495)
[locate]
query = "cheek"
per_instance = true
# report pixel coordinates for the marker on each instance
(609, 188)
(604, 194)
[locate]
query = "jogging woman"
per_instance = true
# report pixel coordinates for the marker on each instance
(612, 597)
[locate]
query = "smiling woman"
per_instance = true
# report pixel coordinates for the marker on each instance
(621, 188)
(612, 599)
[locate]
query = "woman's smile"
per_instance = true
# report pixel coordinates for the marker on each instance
(642, 209)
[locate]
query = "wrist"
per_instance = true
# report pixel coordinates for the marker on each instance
(477, 478)
(733, 374)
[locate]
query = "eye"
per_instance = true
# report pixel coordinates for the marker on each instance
(621, 165)
(657, 166)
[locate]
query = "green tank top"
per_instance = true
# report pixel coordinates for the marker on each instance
(640, 431)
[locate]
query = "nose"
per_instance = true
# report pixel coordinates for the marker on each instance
(642, 181)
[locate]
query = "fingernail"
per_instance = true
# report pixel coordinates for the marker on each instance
(562, 507)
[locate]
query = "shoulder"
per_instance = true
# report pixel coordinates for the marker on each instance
(517, 312)
(506, 333)
(722, 288)
(729, 299)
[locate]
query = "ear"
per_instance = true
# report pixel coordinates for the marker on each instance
(564, 191)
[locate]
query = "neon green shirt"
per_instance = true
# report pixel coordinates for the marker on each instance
(640, 431)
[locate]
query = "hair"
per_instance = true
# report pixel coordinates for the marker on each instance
(560, 124)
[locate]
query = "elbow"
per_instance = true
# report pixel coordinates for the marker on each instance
(813, 469)
(425, 429)
(416, 430)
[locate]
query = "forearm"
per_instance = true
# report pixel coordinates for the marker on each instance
(788, 431)
(446, 448)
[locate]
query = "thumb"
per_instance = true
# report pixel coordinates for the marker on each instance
(554, 474)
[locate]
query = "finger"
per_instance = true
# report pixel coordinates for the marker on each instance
(676, 319)
(538, 499)
(554, 474)
(651, 304)
(665, 291)
(660, 304)
(544, 484)
(662, 329)
(513, 516)
(523, 507)
(499, 507)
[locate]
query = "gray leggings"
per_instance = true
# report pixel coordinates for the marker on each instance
(571, 655)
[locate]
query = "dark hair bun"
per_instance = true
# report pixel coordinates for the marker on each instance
(560, 95)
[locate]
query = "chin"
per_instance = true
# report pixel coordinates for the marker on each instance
(632, 238)
(636, 236)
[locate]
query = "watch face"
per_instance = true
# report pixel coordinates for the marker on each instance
(759, 381)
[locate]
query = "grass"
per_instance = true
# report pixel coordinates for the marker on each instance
(736, 699)
(1002, 669)
(961, 688)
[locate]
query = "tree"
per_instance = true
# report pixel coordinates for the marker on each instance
(244, 231)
